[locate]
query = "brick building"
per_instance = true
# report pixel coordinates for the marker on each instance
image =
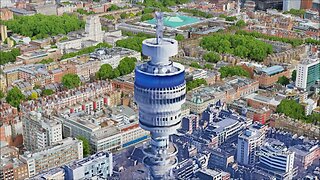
(269, 76)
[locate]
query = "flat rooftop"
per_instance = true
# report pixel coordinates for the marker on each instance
(176, 21)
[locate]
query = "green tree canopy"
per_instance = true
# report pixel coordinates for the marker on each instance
(313, 118)
(134, 43)
(126, 66)
(47, 92)
(46, 61)
(295, 12)
(211, 57)
(124, 15)
(105, 72)
(33, 96)
(71, 81)
(294, 42)
(242, 46)
(291, 108)
(86, 146)
(42, 26)
(146, 17)
(14, 97)
(208, 66)
(179, 37)
(9, 56)
(283, 80)
(241, 23)
(294, 75)
(113, 7)
(1, 94)
(228, 71)
(231, 18)
(195, 83)
(195, 65)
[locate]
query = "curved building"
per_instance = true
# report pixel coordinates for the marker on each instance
(159, 91)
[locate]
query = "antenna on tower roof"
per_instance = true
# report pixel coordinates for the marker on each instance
(159, 26)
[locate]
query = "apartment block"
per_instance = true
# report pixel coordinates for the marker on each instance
(66, 151)
(40, 132)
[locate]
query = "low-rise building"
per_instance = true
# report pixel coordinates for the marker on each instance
(10, 165)
(66, 151)
(113, 56)
(55, 173)
(305, 155)
(269, 76)
(277, 160)
(257, 101)
(106, 132)
(99, 165)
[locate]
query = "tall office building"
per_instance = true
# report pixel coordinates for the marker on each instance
(249, 143)
(277, 160)
(291, 4)
(40, 132)
(308, 73)
(159, 91)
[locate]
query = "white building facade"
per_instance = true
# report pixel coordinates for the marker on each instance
(249, 143)
(308, 73)
(40, 132)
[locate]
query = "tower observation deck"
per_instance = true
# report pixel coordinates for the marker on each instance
(159, 91)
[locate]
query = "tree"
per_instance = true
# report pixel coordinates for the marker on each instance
(124, 15)
(41, 26)
(228, 71)
(179, 37)
(241, 23)
(86, 146)
(283, 80)
(134, 43)
(211, 57)
(294, 75)
(195, 83)
(46, 61)
(313, 118)
(295, 12)
(239, 45)
(9, 56)
(71, 81)
(36, 86)
(231, 18)
(195, 65)
(293, 41)
(113, 7)
(126, 65)
(1, 94)
(208, 66)
(105, 72)
(33, 96)
(47, 92)
(291, 108)
(14, 97)
(146, 17)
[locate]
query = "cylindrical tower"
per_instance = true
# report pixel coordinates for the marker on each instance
(159, 91)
